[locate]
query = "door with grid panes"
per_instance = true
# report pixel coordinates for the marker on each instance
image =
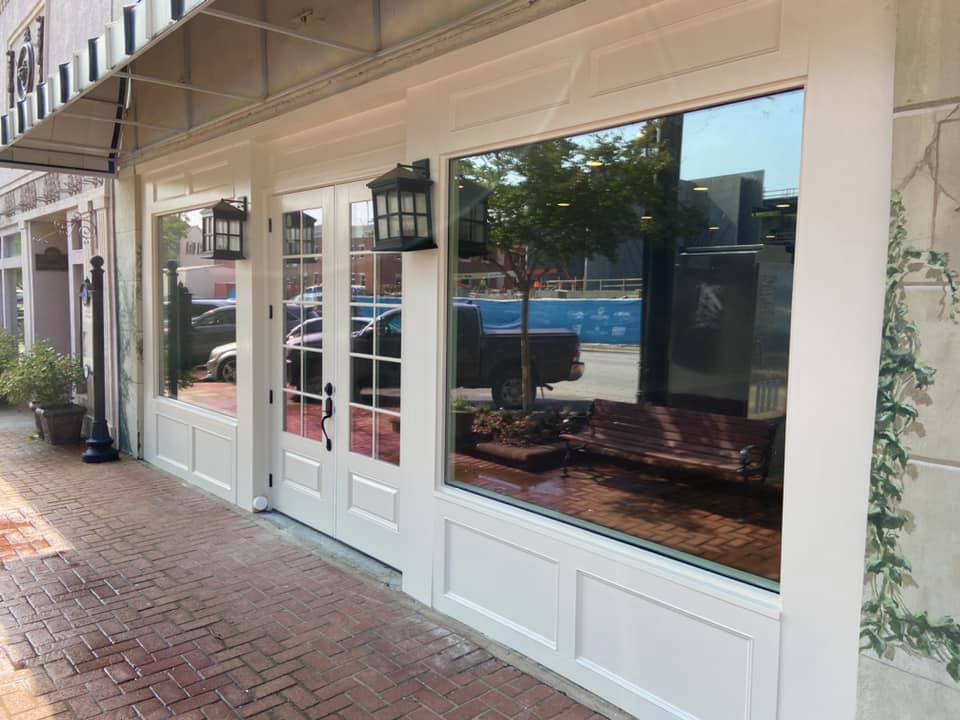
(337, 352)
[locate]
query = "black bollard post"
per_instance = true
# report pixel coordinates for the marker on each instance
(99, 445)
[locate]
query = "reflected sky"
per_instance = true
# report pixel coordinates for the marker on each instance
(758, 134)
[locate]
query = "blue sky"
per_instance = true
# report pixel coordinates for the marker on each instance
(759, 134)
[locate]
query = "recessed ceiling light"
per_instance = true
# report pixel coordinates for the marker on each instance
(713, 228)
(563, 204)
(771, 236)
(594, 163)
(646, 217)
(460, 186)
(783, 206)
(700, 188)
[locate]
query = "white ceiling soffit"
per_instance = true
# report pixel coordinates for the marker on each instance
(169, 72)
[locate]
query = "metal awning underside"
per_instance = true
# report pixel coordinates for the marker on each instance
(73, 120)
(168, 69)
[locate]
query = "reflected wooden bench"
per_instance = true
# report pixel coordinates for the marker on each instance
(720, 445)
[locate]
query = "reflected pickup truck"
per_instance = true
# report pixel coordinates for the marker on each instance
(491, 358)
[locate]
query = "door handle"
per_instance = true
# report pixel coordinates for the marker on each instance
(327, 414)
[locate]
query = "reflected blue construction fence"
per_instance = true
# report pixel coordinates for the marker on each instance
(610, 321)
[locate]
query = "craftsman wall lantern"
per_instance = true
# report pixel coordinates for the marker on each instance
(223, 230)
(402, 209)
(472, 203)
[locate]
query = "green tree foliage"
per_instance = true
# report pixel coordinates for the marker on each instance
(173, 229)
(555, 201)
(887, 622)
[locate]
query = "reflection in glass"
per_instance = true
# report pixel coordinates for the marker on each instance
(388, 438)
(198, 319)
(374, 317)
(619, 329)
(303, 314)
(361, 431)
(291, 413)
(361, 380)
(388, 386)
(361, 225)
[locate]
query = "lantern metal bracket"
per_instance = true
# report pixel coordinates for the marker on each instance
(419, 166)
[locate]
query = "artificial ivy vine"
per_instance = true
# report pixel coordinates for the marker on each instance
(887, 622)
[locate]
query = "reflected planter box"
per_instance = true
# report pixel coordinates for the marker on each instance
(60, 425)
(526, 457)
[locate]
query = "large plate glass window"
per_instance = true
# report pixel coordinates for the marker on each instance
(618, 335)
(197, 322)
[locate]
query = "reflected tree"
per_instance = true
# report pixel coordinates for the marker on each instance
(569, 198)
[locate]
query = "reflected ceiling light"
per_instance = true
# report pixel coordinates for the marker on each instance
(713, 228)
(771, 236)
(646, 217)
(783, 206)
(594, 163)
(563, 204)
(700, 188)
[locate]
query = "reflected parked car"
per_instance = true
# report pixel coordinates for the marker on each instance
(211, 329)
(222, 363)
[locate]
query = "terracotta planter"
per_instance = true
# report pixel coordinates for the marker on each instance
(61, 424)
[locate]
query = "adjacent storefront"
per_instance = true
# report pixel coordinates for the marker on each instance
(611, 420)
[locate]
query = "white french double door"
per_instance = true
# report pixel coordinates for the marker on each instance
(336, 349)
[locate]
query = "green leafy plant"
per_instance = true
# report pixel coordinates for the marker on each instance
(887, 622)
(9, 349)
(43, 376)
(459, 404)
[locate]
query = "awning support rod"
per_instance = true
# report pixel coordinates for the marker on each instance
(65, 149)
(113, 121)
(186, 86)
(280, 30)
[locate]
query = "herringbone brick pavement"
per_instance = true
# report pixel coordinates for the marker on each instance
(124, 594)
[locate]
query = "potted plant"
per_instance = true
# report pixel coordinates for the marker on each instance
(463, 415)
(46, 379)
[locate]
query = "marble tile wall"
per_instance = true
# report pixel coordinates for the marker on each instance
(926, 171)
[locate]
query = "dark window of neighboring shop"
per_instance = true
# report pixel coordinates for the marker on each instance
(618, 330)
(197, 319)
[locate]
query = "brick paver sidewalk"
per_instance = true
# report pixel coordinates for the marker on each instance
(124, 594)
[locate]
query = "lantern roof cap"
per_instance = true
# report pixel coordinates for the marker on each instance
(229, 210)
(401, 174)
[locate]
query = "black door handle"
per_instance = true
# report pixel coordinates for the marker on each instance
(327, 414)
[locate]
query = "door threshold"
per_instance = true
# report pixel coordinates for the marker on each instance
(332, 548)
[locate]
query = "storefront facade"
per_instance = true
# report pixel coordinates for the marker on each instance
(304, 388)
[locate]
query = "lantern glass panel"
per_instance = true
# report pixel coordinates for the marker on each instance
(394, 226)
(379, 203)
(422, 226)
(409, 225)
(235, 227)
(221, 226)
(392, 205)
(382, 228)
(421, 202)
(406, 201)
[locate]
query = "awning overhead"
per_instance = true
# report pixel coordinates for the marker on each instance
(170, 70)
(74, 118)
